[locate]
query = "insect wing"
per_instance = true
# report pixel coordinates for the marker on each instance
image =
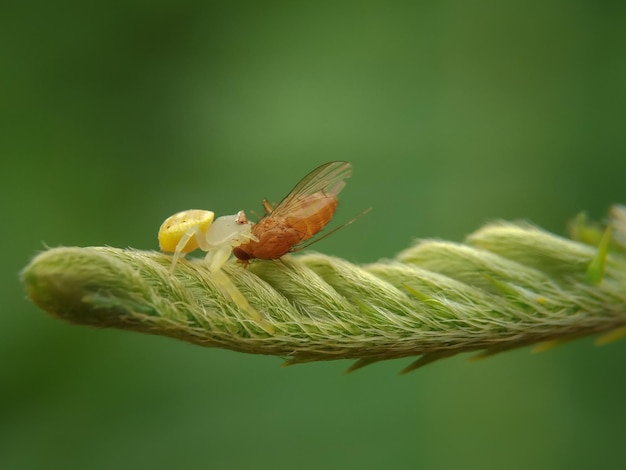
(327, 179)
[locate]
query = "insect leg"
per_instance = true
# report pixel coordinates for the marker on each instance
(267, 207)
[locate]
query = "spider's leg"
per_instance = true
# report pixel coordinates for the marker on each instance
(182, 243)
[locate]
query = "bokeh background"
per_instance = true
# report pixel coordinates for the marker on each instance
(454, 113)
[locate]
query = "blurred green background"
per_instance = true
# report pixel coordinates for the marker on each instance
(453, 113)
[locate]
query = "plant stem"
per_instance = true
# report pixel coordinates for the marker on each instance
(508, 286)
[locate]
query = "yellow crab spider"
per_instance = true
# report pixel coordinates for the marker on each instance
(189, 230)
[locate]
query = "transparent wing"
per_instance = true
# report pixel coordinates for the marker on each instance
(327, 179)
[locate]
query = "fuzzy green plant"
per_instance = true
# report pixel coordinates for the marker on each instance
(509, 285)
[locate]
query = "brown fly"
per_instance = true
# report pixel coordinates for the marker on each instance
(300, 215)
